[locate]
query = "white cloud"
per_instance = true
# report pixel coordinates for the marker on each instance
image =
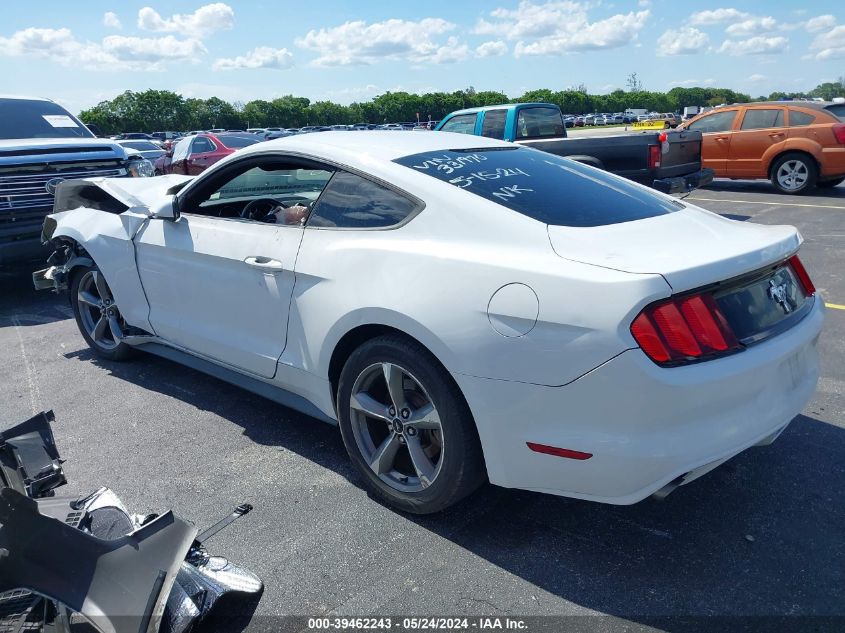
(111, 21)
(717, 16)
(757, 78)
(115, 52)
(345, 96)
(560, 26)
(830, 45)
(452, 52)
(357, 42)
(820, 23)
(752, 26)
(688, 83)
(754, 46)
(261, 57)
(206, 20)
(153, 49)
(494, 48)
(683, 41)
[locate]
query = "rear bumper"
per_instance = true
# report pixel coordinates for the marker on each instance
(833, 162)
(644, 425)
(22, 251)
(683, 184)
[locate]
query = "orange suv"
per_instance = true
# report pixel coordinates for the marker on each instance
(797, 145)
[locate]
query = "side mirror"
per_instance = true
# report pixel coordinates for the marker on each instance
(168, 210)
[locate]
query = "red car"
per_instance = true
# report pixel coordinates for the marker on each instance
(193, 154)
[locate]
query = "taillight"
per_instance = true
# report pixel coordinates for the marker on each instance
(801, 273)
(683, 329)
(839, 132)
(653, 156)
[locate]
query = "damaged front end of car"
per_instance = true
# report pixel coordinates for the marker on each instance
(87, 210)
(66, 562)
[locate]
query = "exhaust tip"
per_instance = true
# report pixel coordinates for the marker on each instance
(666, 490)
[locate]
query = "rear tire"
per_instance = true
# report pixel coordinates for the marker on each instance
(794, 173)
(829, 184)
(97, 315)
(418, 469)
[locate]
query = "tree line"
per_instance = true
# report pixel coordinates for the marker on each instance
(156, 110)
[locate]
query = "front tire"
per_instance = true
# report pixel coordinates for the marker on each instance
(406, 427)
(97, 315)
(794, 173)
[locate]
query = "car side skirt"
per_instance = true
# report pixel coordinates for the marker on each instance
(258, 387)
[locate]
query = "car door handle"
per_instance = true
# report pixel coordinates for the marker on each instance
(721, 138)
(774, 134)
(264, 263)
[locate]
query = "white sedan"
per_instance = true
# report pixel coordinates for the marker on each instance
(465, 309)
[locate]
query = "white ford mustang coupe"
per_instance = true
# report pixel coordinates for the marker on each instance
(465, 309)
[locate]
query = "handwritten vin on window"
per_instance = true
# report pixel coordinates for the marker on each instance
(449, 164)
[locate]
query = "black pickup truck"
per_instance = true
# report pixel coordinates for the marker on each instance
(42, 144)
(669, 161)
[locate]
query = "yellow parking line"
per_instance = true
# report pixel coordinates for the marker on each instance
(835, 306)
(779, 204)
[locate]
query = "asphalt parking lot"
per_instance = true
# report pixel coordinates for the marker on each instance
(764, 535)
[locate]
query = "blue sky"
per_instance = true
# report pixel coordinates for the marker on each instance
(80, 53)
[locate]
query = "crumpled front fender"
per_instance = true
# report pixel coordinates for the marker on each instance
(103, 239)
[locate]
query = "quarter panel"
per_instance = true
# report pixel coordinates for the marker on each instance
(433, 278)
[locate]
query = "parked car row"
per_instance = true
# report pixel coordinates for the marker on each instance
(192, 155)
(619, 118)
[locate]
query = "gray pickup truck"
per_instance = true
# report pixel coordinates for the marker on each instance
(669, 161)
(42, 144)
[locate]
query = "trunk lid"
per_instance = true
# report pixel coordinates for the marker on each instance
(690, 248)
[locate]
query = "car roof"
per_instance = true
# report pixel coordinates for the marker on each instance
(359, 148)
(25, 98)
(813, 105)
(503, 105)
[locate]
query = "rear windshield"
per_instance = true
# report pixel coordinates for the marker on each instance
(236, 141)
(837, 110)
(33, 118)
(539, 122)
(543, 186)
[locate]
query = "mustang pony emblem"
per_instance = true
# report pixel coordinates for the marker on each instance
(777, 293)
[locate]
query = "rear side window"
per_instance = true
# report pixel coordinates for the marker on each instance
(718, 122)
(235, 142)
(798, 119)
(462, 124)
(352, 202)
(201, 145)
(493, 125)
(762, 119)
(539, 123)
(543, 186)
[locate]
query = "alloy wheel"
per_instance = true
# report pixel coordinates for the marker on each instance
(792, 175)
(98, 312)
(396, 427)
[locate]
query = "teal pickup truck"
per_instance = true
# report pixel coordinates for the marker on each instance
(669, 161)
